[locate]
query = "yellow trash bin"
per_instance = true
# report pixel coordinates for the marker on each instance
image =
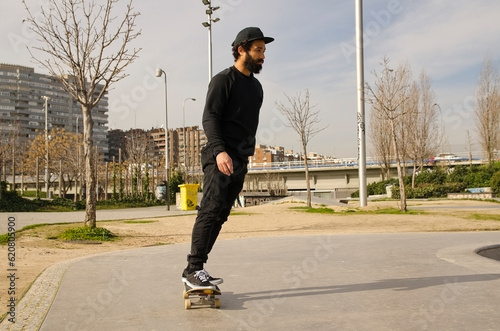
(189, 196)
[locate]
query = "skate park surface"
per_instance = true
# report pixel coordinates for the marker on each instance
(393, 281)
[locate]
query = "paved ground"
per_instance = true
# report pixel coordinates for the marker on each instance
(417, 281)
(24, 219)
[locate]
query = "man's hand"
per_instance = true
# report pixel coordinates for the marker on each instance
(224, 163)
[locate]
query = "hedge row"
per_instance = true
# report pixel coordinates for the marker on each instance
(439, 181)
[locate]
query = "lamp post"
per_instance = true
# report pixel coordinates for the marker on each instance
(184, 132)
(210, 10)
(361, 104)
(159, 73)
(46, 98)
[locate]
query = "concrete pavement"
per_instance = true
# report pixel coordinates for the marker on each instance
(26, 218)
(409, 281)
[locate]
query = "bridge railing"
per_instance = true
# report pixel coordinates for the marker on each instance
(345, 162)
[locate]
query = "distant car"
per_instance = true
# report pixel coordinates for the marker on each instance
(446, 157)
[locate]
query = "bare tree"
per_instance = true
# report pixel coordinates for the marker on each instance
(88, 50)
(16, 145)
(381, 141)
(421, 123)
(63, 161)
(389, 98)
(303, 120)
(138, 150)
(487, 112)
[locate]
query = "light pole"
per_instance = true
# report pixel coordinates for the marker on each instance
(361, 104)
(208, 25)
(160, 72)
(46, 98)
(184, 132)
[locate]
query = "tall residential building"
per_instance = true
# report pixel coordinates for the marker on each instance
(22, 106)
(181, 155)
(191, 150)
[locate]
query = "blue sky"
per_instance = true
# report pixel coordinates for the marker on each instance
(314, 50)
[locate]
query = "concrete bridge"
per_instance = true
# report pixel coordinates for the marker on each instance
(328, 181)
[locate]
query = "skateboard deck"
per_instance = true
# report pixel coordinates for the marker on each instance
(194, 297)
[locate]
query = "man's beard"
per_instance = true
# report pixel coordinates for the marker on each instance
(252, 65)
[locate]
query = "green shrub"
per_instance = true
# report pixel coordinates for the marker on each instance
(377, 188)
(12, 202)
(435, 176)
(459, 173)
(426, 191)
(495, 183)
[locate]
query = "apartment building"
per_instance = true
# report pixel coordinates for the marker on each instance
(185, 145)
(264, 156)
(24, 94)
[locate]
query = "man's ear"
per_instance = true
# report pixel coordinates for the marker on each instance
(241, 50)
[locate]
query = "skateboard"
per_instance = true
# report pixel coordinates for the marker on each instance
(204, 297)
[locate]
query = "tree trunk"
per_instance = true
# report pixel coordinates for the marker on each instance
(414, 174)
(90, 171)
(308, 184)
(402, 192)
(60, 179)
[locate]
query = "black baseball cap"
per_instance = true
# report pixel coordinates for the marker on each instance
(250, 34)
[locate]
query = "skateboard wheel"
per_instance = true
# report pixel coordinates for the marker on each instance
(217, 303)
(185, 295)
(187, 304)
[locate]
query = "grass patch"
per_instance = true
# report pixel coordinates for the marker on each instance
(485, 217)
(395, 211)
(87, 234)
(34, 226)
(240, 213)
(322, 210)
(4, 238)
(139, 222)
(383, 211)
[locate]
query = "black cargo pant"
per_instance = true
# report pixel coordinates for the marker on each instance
(219, 193)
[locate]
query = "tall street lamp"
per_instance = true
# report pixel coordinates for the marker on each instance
(360, 78)
(210, 10)
(160, 72)
(46, 98)
(184, 131)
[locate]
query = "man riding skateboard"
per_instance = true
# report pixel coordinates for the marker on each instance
(230, 120)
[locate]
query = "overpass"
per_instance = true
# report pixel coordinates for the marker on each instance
(335, 180)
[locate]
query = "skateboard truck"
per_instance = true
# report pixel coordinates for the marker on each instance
(201, 297)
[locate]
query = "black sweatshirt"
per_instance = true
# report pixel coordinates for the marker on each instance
(231, 113)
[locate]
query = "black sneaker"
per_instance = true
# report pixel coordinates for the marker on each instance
(203, 274)
(213, 280)
(198, 279)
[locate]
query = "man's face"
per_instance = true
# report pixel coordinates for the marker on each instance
(254, 58)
